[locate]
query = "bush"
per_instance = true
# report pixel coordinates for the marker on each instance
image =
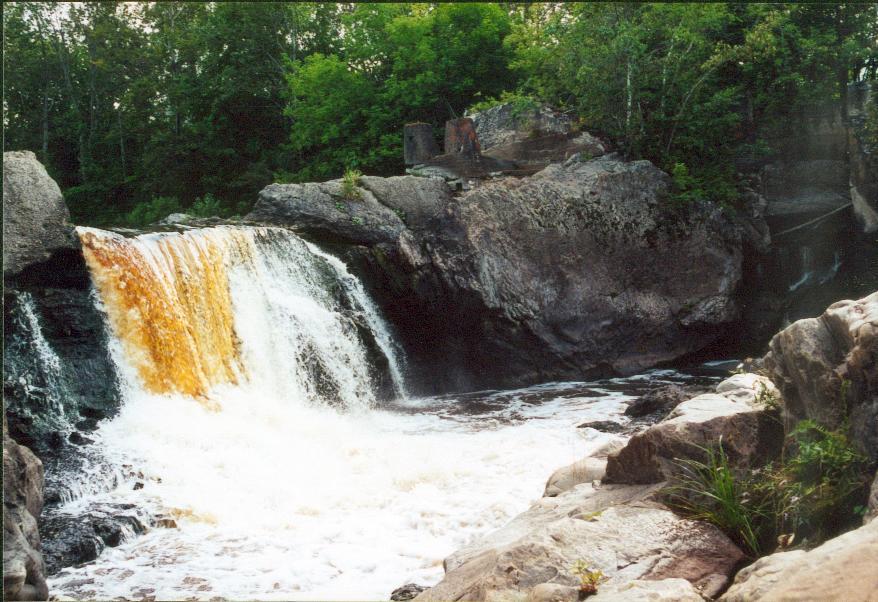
(810, 494)
(207, 206)
(152, 211)
(349, 182)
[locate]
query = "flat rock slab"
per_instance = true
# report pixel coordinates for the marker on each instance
(614, 529)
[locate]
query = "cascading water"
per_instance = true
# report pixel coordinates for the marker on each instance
(252, 433)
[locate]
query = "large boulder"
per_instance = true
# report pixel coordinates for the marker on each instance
(827, 369)
(614, 529)
(843, 568)
(328, 210)
(23, 567)
(736, 414)
(508, 122)
(583, 268)
(36, 223)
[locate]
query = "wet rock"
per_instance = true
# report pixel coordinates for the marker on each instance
(615, 529)
(751, 436)
(76, 538)
(43, 392)
(827, 369)
(23, 566)
(657, 401)
(605, 426)
(36, 223)
(87, 424)
(78, 439)
(409, 591)
(843, 568)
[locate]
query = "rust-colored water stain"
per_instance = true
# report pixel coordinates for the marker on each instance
(169, 304)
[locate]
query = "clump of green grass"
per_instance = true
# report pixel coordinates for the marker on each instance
(349, 182)
(811, 493)
(710, 491)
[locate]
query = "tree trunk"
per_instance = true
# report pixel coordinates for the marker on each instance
(121, 142)
(45, 152)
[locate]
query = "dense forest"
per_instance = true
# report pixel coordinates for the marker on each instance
(141, 109)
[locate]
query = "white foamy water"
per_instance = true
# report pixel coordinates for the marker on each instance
(278, 500)
(295, 481)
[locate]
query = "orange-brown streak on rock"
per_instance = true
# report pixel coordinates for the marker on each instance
(168, 302)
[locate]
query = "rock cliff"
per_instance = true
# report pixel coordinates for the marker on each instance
(582, 268)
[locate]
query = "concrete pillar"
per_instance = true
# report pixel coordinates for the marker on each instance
(418, 144)
(460, 137)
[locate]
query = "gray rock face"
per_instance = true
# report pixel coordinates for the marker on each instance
(843, 568)
(23, 568)
(614, 529)
(36, 222)
(581, 268)
(750, 436)
(324, 209)
(827, 369)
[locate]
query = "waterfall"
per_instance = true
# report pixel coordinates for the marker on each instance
(249, 441)
(238, 306)
(372, 317)
(33, 369)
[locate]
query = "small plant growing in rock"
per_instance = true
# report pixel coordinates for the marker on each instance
(349, 182)
(767, 398)
(589, 578)
(357, 220)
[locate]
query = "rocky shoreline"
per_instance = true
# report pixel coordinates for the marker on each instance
(610, 509)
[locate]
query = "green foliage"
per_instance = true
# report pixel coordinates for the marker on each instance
(156, 209)
(127, 102)
(589, 578)
(349, 182)
(521, 103)
(697, 85)
(809, 495)
(207, 206)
